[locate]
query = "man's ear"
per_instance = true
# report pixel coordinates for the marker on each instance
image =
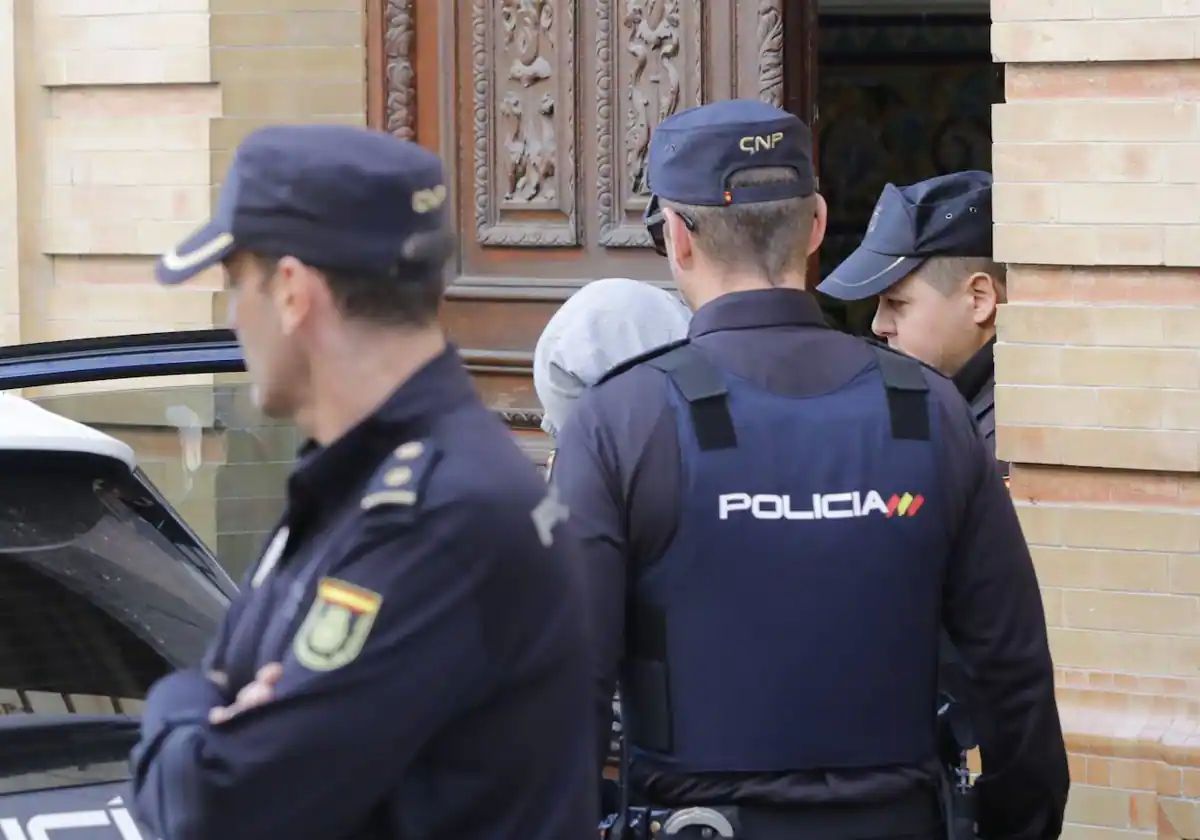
(679, 239)
(293, 291)
(820, 223)
(985, 299)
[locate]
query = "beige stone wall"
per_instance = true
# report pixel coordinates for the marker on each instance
(126, 103)
(132, 109)
(284, 61)
(1097, 161)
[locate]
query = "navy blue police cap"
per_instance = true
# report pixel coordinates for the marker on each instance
(946, 216)
(694, 153)
(334, 197)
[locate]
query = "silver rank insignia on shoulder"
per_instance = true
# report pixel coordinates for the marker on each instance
(549, 512)
(398, 480)
(270, 557)
(337, 625)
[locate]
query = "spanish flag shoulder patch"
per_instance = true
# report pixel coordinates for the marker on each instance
(337, 625)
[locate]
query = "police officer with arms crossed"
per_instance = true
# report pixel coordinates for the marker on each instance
(406, 659)
(927, 253)
(790, 514)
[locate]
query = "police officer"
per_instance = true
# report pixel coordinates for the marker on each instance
(927, 253)
(789, 514)
(406, 658)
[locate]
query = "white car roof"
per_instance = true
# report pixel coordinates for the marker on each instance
(29, 427)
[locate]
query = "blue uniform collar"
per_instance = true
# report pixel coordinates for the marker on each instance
(757, 308)
(977, 372)
(321, 473)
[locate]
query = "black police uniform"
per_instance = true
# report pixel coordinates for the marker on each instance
(416, 593)
(779, 649)
(976, 381)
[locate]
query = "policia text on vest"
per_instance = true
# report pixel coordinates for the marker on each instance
(853, 505)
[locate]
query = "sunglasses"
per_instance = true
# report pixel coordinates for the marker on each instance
(655, 220)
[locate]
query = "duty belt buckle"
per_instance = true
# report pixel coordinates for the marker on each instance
(705, 823)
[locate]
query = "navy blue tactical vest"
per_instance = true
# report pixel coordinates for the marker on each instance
(793, 623)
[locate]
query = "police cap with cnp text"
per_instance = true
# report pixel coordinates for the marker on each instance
(946, 216)
(693, 154)
(334, 197)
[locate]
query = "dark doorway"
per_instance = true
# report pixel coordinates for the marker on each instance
(904, 91)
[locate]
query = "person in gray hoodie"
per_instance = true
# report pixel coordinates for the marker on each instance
(602, 325)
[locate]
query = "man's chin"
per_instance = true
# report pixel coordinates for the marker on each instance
(933, 363)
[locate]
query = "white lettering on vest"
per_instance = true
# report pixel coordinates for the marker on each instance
(828, 511)
(771, 507)
(767, 507)
(733, 502)
(874, 502)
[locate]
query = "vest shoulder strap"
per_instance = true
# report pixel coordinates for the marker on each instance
(641, 358)
(703, 386)
(904, 380)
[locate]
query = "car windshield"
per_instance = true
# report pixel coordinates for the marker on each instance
(102, 591)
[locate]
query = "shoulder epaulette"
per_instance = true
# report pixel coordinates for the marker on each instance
(630, 364)
(402, 476)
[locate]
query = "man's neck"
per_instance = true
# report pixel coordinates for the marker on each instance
(718, 285)
(984, 338)
(357, 374)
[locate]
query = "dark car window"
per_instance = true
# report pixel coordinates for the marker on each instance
(102, 591)
(111, 577)
(220, 463)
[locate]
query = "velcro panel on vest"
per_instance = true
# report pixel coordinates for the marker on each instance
(703, 386)
(647, 688)
(906, 395)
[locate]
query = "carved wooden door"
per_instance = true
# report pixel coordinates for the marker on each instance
(543, 111)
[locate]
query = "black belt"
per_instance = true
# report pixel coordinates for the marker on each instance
(919, 813)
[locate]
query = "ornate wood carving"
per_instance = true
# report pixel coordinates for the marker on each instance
(523, 63)
(399, 32)
(649, 65)
(770, 52)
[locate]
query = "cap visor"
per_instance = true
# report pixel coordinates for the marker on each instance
(204, 248)
(865, 273)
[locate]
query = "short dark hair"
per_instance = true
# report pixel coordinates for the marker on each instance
(770, 237)
(946, 274)
(408, 296)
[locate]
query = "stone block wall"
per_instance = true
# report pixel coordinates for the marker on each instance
(285, 61)
(1097, 161)
(126, 99)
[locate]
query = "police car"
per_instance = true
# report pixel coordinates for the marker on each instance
(103, 589)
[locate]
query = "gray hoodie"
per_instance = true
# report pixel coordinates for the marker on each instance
(603, 324)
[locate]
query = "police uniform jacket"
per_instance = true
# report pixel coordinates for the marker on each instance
(977, 383)
(434, 662)
(618, 471)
